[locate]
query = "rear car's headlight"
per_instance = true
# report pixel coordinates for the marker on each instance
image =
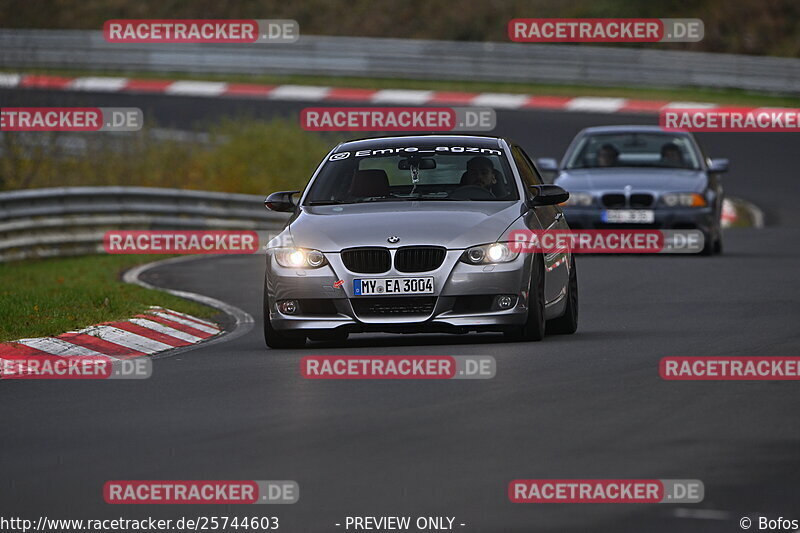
(684, 199)
(299, 258)
(497, 252)
(578, 199)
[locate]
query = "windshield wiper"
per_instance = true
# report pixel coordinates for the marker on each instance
(328, 202)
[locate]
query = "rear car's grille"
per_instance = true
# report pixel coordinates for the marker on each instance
(409, 305)
(419, 258)
(367, 260)
(641, 200)
(614, 200)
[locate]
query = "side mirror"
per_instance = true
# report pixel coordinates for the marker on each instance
(718, 165)
(547, 195)
(280, 201)
(547, 164)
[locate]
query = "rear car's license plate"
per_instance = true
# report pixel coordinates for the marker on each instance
(364, 287)
(630, 216)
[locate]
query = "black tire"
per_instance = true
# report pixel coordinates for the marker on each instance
(277, 339)
(567, 324)
(534, 327)
(709, 244)
(718, 244)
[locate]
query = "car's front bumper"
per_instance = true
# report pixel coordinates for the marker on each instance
(703, 219)
(464, 297)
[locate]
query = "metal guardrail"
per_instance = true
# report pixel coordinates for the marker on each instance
(407, 58)
(52, 222)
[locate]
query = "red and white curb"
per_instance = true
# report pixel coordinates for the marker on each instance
(308, 93)
(154, 331)
(729, 214)
(732, 207)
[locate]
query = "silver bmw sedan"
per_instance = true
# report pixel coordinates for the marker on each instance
(412, 234)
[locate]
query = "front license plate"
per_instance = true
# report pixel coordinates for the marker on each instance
(365, 287)
(630, 216)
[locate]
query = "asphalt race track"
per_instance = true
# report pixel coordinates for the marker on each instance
(591, 405)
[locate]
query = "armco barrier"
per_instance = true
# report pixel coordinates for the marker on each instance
(72, 220)
(407, 58)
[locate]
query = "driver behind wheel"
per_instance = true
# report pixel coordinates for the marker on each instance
(480, 173)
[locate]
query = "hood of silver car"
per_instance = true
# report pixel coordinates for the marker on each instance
(639, 179)
(454, 225)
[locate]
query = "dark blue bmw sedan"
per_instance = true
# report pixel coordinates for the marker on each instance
(641, 177)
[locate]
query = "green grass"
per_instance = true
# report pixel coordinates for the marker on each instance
(744, 216)
(244, 156)
(52, 296)
(721, 96)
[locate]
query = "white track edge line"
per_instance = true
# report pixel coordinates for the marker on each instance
(243, 321)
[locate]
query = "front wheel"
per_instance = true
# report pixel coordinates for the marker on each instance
(278, 339)
(533, 329)
(567, 324)
(713, 243)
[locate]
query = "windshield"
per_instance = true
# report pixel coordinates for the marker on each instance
(414, 174)
(634, 150)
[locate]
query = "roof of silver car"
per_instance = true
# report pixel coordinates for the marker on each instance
(630, 128)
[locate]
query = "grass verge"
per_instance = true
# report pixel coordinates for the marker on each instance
(48, 297)
(243, 155)
(747, 214)
(721, 96)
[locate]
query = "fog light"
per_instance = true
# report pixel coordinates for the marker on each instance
(288, 307)
(505, 302)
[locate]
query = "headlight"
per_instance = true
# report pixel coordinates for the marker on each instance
(578, 199)
(299, 258)
(684, 199)
(497, 252)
